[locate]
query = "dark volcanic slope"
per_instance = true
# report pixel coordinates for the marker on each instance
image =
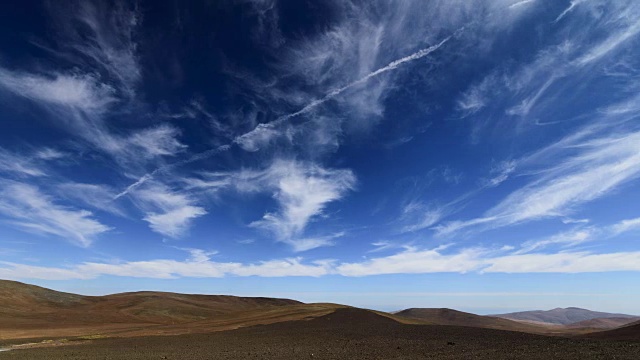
(344, 334)
(561, 316)
(459, 318)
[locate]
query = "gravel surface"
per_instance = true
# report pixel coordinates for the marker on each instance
(345, 334)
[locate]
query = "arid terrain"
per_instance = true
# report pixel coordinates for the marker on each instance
(38, 323)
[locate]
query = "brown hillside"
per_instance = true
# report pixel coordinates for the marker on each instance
(445, 316)
(27, 310)
(629, 333)
(345, 333)
(601, 323)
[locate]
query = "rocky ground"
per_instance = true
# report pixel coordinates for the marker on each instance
(345, 334)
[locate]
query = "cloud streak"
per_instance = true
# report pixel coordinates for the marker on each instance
(408, 261)
(601, 165)
(33, 211)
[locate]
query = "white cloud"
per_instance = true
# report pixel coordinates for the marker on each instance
(622, 21)
(82, 92)
(580, 235)
(154, 142)
(49, 154)
(168, 213)
(414, 261)
(372, 40)
(409, 261)
(13, 271)
(566, 262)
(262, 135)
(197, 266)
(302, 190)
(502, 172)
(426, 219)
(304, 244)
(569, 238)
(454, 226)
(585, 170)
(573, 4)
(102, 35)
(521, 3)
(575, 221)
(34, 211)
(19, 165)
(94, 195)
(98, 40)
(603, 165)
(624, 226)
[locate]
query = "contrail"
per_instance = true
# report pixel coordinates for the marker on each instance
(332, 94)
(149, 176)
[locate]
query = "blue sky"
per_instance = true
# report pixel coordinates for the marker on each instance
(481, 155)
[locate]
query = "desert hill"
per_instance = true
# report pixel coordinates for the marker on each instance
(345, 333)
(444, 316)
(629, 332)
(20, 301)
(560, 316)
(26, 310)
(602, 323)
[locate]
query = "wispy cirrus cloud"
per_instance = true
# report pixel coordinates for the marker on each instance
(565, 262)
(82, 92)
(21, 165)
(96, 196)
(353, 64)
(581, 234)
(624, 226)
(302, 192)
(102, 36)
(586, 169)
(31, 210)
(169, 213)
(98, 40)
(603, 164)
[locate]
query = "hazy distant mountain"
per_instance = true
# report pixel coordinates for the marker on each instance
(561, 316)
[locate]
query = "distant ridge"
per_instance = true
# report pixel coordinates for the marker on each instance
(630, 332)
(444, 316)
(561, 316)
(602, 323)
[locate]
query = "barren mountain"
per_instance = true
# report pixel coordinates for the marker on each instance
(561, 316)
(602, 323)
(445, 316)
(26, 310)
(630, 332)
